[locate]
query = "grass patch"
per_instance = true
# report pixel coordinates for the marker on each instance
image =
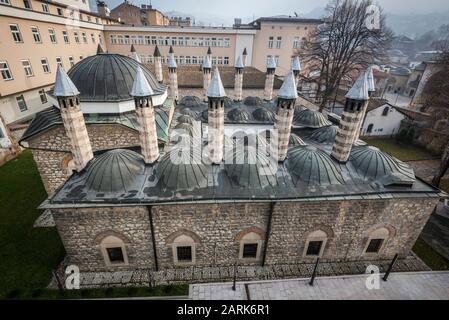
(444, 185)
(400, 150)
(430, 257)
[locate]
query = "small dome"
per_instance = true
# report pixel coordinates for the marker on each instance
(109, 77)
(185, 119)
(371, 163)
(185, 128)
(263, 114)
(182, 169)
(191, 102)
(250, 168)
(228, 103)
(239, 115)
(252, 101)
(189, 112)
(114, 170)
(251, 139)
(324, 134)
(313, 166)
(205, 114)
(295, 140)
(311, 119)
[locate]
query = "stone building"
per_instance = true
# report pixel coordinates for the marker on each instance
(189, 209)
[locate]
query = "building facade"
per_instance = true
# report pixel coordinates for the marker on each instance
(130, 14)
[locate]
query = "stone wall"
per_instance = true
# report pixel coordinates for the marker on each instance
(432, 140)
(217, 229)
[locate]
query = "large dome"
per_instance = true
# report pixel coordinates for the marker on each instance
(114, 170)
(324, 134)
(310, 119)
(109, 78)
(239, 115)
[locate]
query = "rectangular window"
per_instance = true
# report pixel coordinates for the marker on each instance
(374, 245)
(84, 37)
(296, 42)
(36, 34)
(100, 39)
(27, 67)
(43, 96)
(45, 65)
(184, 253)
(278, 42)
(27, 4)
(45, 7)
(77, 37)
(60, 13)
(5, 2)
(52, 34)
(16, 35)
(4, 69)
(314, 248)
(71, 61)
(92, 37)
(270, 42)
(250, 250)
(65, 36)
(59, 62)
(115, 255)
(21, 103)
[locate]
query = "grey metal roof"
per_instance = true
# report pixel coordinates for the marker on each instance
(216, 89)
(171, 62)
(141, 87)
(109, 77)
(359, 90)
(324, 134)
(156, 52)
(288, 89)
(239, 63)
(371, 163)
(239, 115)
(114, 170)
(271, 63)
(253, 101)
(310, 119)
(245, 53)
(191, 101)
(185, 119)
(264, 114)
(370, 79)
(64, 87)
(296, 64)
(206, 63)
(295, 140)
(313, 166)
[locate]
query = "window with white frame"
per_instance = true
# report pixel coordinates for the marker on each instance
(296, 42)
(315, 244)
(43, 96)
(276, 59)
(71, 61)
(45, 65)
(5, 2)
(4, 70)
(52, 34)
(27, 68)
(45, 8)
(278, 42)
(59, 62)
(270, 42)
(77, 37)
(15, 31)
(27, 4)
(65, 36)
(113, 250)
(21, 103)
(36, 34)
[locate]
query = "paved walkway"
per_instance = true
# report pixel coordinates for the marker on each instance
(400, 286)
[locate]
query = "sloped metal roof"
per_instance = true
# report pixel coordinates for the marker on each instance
(295, 140)
(216, 89)
(296, 64)
(171, 62)
(64, 87)
(324, 134)
(239, 63)
(264, 114)
(141, 87)
(288, 89)
(359, 90)
(239, 115)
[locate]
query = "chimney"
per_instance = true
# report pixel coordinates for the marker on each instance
(142, 93)
(244, 57)
(287, 95)
(296, 67)
(158, 64)
(269, 80)
(371, 90)
(238, 80)
(172, 75)
(73, 119)
(103, 9)
(216, 94)
(356, 101)
(134, 54)
(207, 66)
(209, 53)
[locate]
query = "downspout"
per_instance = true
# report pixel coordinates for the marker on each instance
(268, 231)
(153, 240)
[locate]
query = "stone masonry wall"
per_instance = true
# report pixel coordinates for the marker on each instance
(81, 231)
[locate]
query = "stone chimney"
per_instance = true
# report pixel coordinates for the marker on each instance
(238, 80)
(209, 53)
(244, 57)
(142, 93)
(269, 80)
(371, 89)
(356, 101)
(73, 119)
(172, 76)
(216, 94)
(207, 66)
(296, 67)
(287, 95)
(158, 64)
(134, 54)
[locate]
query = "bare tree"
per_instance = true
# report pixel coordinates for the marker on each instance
(345, 43)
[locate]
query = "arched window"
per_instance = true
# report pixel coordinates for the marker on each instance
(370, 128)
(376, 241)
(113, 250)
(385, 111)
(250, 246)
(184, 250)
(315, 244)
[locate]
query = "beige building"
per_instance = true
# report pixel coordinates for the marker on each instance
(130, 14)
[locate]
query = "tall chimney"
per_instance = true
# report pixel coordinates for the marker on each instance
(244, 57)
(142, 93)
(73, 119)
(287, 95)
(172, 75)
(269, 80)
(238, 80)
(207, 66)
(356, 101)
(296, 67)
(158, 64)
(216, 94)
(209, 53)
(134, 54)
(371, 89)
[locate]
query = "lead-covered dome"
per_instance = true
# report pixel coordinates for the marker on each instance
(109, 78)
(114, 170)
(264, 114)
(313, 166)
(310, 119)
(239, 115)
(371, 163)
(324, 134)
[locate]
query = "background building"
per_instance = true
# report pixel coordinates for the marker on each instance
(130, 14)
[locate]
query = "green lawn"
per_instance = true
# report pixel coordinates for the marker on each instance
(430, 256)
(400, 150)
